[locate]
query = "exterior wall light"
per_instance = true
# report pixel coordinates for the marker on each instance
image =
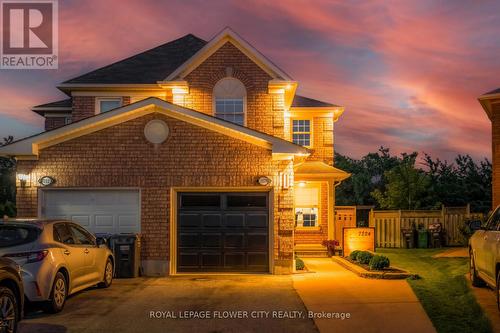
(302, 184)
(23, 178)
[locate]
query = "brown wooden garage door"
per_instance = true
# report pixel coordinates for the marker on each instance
(223, 232)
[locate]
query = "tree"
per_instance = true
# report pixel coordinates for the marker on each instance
(7, 183)
(460, 183)
(406, 186)
(388, 181)
(367, 175)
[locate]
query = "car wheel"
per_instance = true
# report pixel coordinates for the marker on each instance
(474, 278)
(108, 275)
(58, 294)
(9, 312)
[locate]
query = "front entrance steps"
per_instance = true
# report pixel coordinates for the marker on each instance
(310, 251)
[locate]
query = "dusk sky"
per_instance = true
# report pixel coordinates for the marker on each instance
(408, 72)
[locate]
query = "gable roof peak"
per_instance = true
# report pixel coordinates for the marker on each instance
(228, 35)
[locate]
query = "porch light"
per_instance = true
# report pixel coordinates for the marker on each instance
(179, 91)
(23, 178)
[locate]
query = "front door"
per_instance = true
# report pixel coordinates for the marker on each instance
(223, 232)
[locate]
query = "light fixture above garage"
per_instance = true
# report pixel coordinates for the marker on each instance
(23, 178)
(264, 181)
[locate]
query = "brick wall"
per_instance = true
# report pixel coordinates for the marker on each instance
(54, 122)
(265, 112)
(84, 106)
(120, 156)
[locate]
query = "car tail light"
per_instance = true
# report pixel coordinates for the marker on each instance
(30, 257)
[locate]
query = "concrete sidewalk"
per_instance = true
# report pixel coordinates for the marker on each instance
(374, 305)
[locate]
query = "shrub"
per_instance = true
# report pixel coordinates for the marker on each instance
(354, 254)
(364, 257)
(299, 264)
(8, 208)
(378, 263)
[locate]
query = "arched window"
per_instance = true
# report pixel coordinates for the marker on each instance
(230, 100)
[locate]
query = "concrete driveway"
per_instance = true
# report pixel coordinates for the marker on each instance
(374, 305)
(127, 305)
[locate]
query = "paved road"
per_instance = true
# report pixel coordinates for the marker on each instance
(126, 306)
(487, 299)
(374, 305)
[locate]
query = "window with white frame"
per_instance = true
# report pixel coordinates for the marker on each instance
(229, 96)
(301, 132)
(105, 104)
(307, 205)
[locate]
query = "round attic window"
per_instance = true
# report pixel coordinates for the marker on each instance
(156, 131)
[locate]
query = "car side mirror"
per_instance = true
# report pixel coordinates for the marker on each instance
(101, 241)
(475, 225)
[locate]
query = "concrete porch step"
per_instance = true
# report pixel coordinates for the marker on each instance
(310, 251)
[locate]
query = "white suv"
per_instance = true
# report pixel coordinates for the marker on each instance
(484, 250)
(57, 258)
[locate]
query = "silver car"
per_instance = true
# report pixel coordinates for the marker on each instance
(57, 258)
(484, 250)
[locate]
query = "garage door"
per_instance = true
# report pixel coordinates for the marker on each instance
(223, 232)
(110, 211)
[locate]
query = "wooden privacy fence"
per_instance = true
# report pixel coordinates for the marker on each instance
(388, 223)
(345, 216)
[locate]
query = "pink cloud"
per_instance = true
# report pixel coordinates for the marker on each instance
(408, 73)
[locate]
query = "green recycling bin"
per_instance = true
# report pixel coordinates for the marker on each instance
(423, 239)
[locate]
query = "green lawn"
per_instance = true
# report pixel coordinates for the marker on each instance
(442, 289)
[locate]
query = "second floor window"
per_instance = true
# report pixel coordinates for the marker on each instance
(107, 104)
(230, 100)
(301, 132)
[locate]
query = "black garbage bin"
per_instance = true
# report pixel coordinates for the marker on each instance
(106, 237)
(436, 234)
(127, 251)
(408, 236)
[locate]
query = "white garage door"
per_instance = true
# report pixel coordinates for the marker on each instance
(110, 211)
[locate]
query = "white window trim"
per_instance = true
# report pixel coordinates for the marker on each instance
(311, 128)
(98, 101)
(214, 99)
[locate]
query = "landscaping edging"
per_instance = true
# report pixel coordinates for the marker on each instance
(360, 271)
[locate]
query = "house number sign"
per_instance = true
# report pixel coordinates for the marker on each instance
(46, 181)
(362, 239)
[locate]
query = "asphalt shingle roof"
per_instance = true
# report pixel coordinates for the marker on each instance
(496, 91)
(65, 103)
(304, 102)
(147, 67)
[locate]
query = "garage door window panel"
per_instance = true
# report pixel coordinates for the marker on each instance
(201, 201)
(246, 201)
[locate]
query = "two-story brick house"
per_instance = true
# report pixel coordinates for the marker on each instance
(202, 147)
(490, 102)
